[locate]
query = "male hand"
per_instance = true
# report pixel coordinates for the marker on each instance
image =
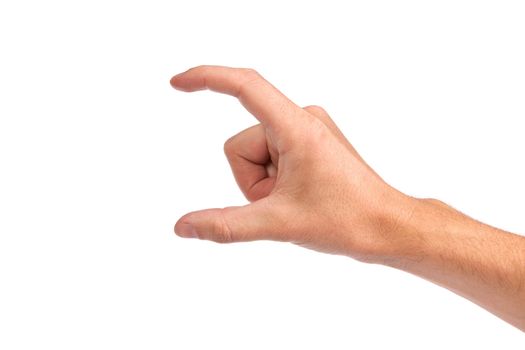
(305, 181)
(307, 185)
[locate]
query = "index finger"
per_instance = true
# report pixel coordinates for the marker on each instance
(256, 94)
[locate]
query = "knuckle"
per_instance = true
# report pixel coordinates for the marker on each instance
(250, 196)
(319, 135)
(249, 77)
(223, 233)
(250, 73)
(229, 146)
(316, 109)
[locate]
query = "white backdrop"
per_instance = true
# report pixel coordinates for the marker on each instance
(99, 157)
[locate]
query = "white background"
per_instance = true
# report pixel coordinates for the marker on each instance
(99, 157)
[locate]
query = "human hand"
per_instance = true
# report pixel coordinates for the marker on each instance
(307, 185)
(305, 181)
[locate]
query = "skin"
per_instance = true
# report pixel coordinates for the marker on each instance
(306, 184)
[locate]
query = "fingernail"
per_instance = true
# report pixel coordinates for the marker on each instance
(187, 231)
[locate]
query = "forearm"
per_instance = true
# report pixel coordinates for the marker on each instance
(481, 263)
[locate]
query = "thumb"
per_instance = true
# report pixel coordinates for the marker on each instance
(254, 221)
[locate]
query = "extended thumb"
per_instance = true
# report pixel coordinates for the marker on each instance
(231, 224)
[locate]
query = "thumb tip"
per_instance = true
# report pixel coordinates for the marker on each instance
(184, 228)
(173, 81)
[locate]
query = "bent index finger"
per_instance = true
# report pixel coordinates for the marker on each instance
(256, 94)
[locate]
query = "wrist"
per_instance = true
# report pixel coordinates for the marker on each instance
(401, 229)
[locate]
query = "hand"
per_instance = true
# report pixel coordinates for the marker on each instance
(307, 185)
(305, 181)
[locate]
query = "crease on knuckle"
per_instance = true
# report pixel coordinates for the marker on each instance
(223, 230)
(249, 77)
